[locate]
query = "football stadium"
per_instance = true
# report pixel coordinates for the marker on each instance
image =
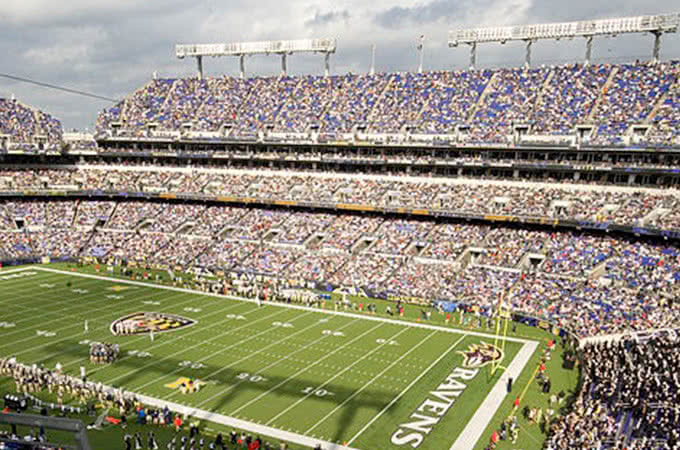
(470, 259)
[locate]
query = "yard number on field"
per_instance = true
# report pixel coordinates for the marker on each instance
(139, 354)
(318, 392)
(192, 365)
(248, 377)
(45, 333)
(386, 341)
(332, 333)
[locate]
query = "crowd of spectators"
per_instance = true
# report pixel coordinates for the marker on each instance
(27, 128)
(487, 103)
(504, 247)
(630, 97)
(633, 207)
(511, 99)
(587, 283)
(628, 400)
(569, 97)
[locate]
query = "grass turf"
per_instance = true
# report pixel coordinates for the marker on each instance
(274, 365)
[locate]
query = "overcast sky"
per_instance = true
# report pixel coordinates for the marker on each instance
(112, 48)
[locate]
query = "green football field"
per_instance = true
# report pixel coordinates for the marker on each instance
(336, 377)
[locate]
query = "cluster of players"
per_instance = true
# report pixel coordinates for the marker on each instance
(103, 353)
(34, 378)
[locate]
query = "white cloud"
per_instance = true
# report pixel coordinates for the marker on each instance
(111, 48)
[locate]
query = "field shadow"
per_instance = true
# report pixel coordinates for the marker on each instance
(372, 397)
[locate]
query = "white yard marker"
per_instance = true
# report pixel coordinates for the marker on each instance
(280, 360)
(223, 349)
(318, 361)
(191, 347)
(357, 392)
(61, 319)
(325, 383)
(478, 422)
(406, 389)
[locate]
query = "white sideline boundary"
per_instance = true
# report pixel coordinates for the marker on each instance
(406, 389)
(242, 424)
(466, 440)
(5, 272)
(469, 437)
(290, 306)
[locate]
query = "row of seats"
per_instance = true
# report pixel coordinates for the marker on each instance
(486, 103)
(23, 127)
(647, 208)
(628, 399)
(588, 284)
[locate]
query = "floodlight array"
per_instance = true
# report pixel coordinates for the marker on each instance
(660, 23)
(255, 48)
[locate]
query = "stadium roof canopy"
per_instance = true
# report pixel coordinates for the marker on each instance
(657, 25)
(325, 46)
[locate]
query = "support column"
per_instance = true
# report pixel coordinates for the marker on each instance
(527, 56)
(589, 49)
(327, 64)
(372, 70)
(242, 65)
(199, 63)
(657, 46)
(473, 55)
(284, 63)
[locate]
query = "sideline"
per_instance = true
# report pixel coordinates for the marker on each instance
(290, 306)
(5, 272)
(472, 433)
(466, 440)
(406, 389)
(242, 424)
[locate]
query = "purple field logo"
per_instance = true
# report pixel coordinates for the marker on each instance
(479, 355)
(146, 322)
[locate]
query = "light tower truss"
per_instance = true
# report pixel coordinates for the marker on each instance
(243, 49)
(588, 29)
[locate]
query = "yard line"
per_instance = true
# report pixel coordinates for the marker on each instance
(278, 361)
(306, 369)
(325, 383)
(17, 301)
(156, 380)
(42, 324)
(406, 389)
(102, 317)
(484, 413)
(239, 424)
(186, 349)
(32, 294)
(398, 322)
(143, 337)
(394, 363)
(5, 272)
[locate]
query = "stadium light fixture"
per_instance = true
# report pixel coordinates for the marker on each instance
(656, 25)
(325, 46)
